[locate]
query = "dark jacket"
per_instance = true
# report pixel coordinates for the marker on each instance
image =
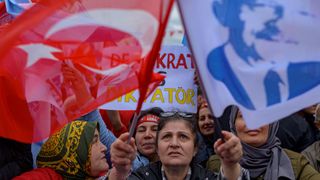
(153, 172)
(295, 133)
(15, 158)
(205, 150)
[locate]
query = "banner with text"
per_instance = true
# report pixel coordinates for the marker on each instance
(176, 92)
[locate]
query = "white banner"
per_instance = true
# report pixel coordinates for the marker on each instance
(262, 56)
(176, 92)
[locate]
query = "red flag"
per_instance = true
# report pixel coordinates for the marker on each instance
(62, 59)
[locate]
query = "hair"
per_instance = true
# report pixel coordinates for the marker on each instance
(198, 116)
(190, 122)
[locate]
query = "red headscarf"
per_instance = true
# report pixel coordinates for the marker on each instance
(148, 118)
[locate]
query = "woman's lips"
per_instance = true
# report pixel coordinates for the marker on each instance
(148, 145)
(208, 126)
(174, 153)
(253, 132)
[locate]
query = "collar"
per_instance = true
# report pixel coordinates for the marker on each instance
(188, 176)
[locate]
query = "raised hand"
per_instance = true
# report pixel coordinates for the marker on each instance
(230, 153)
(122, 156)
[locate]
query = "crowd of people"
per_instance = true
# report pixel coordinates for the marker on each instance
(172, 145)
(168, 145)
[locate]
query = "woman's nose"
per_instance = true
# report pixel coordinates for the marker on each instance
(174, 142)
(148, 133)
(103, 147)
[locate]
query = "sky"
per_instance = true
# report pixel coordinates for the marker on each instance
(174, 31)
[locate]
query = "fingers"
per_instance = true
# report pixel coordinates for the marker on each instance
(119, 161)
(230, 141)
(120, 146)
(122, 154)
(70, 74)
(229, 151)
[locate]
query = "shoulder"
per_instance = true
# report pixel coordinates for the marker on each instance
(292, 154)
(214, 163)
(199, 172)
(313, 155)
(150, 171)
(301, 167)
(298, 161)
(38, 174)
(140, 161)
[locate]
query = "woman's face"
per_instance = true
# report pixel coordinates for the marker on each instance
(176, 144)
(252, 137)
(99, 165)
(206, 122)
(146, 138)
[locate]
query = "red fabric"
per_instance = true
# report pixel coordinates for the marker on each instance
(121, 131)
(148, 118)
(145, 76)
(125, 116)
(57, 60)
(39, 174)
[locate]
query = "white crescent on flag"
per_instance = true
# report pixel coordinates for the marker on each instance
(137, 23)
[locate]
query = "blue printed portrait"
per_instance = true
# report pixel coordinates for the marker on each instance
(273, 46)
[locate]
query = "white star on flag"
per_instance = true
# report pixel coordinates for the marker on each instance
(38, 51)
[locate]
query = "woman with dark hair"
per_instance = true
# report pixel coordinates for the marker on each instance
(177, 143)
(206, 129)
(263, 156)
(145, 137)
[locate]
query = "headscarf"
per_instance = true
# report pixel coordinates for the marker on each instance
(148, 118)
(155, 112)
(68, 150)
(269, 158)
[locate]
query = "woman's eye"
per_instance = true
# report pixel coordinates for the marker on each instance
(184, 137)
(141, 130)
(165, 137)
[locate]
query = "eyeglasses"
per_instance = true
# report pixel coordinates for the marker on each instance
(175, 113)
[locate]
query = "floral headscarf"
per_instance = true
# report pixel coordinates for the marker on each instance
(68, 151)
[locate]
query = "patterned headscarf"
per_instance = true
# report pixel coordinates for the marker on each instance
(148, 118)
(68, 151)
(269, 159)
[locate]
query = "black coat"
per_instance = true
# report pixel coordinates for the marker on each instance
(153, 172)
(295, 133)
(15, 158)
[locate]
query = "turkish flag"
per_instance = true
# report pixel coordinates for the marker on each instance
(62, 59)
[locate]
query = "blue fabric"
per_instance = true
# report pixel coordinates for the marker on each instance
(14, 7)
(140, 161)
(35, 149)
(106, 136)
(205, 150)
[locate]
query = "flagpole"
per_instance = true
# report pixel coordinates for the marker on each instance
(218, 128)
(147, 68)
